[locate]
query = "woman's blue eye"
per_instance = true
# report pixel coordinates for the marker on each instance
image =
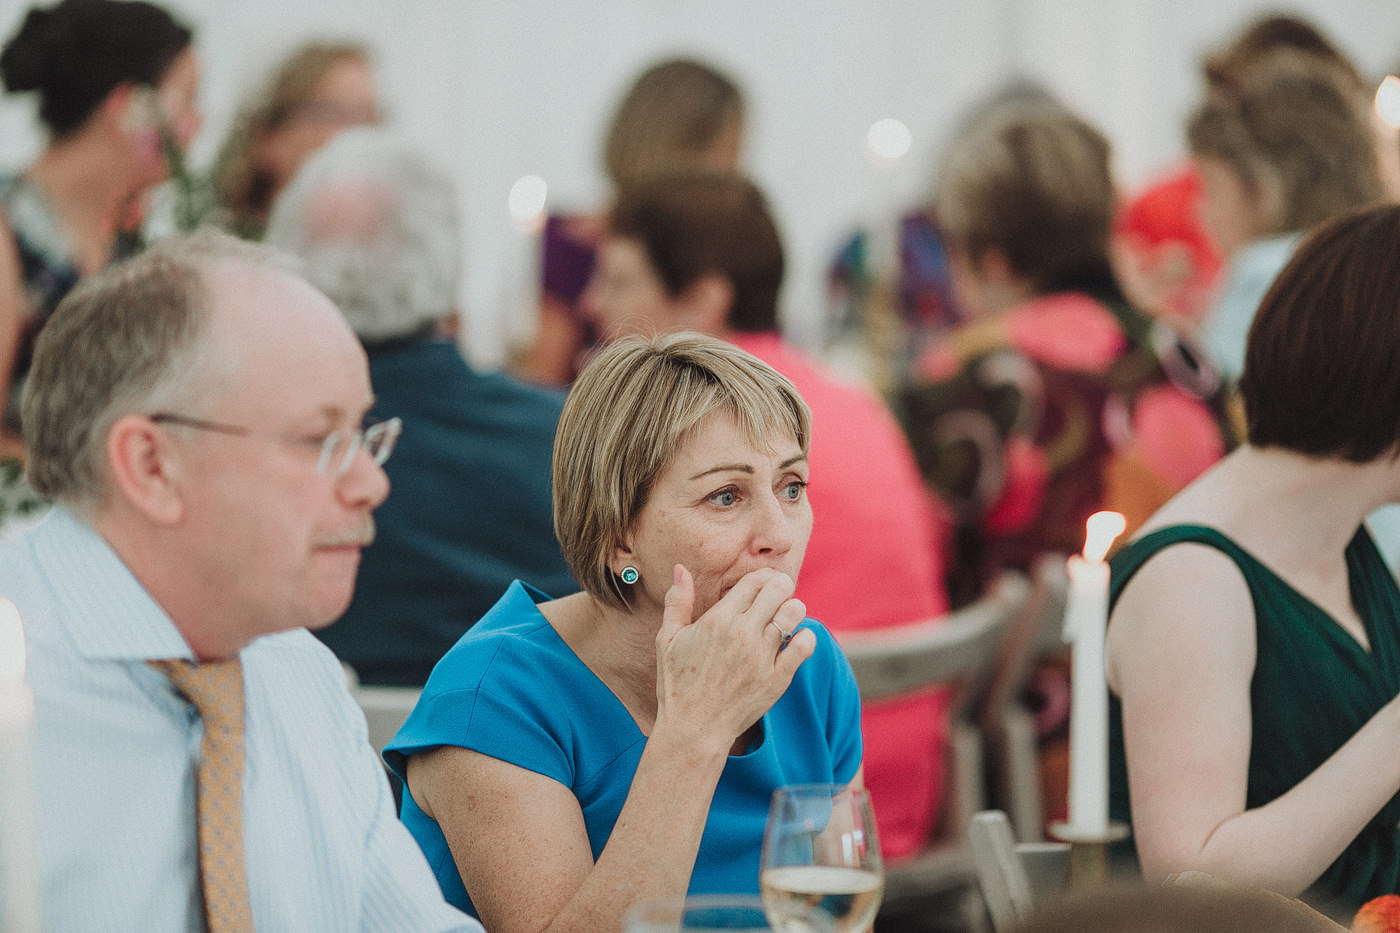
(723, 497)
(793, 490)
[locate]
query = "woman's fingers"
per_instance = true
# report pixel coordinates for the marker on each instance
(797, 651)
(785, 621)
(742, 595)
(680, 604)
(776, 590)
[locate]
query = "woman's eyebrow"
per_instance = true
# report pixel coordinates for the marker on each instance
(725, 468)
(746, 468)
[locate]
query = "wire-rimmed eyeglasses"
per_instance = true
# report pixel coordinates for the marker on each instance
(337, 449)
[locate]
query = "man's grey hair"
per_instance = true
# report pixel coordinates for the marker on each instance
(376, 226)
(132, 338)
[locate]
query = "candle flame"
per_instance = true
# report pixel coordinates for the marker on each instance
(11, 644)
(1102, 529)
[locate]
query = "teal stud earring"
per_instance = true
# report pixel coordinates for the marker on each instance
(629, 575)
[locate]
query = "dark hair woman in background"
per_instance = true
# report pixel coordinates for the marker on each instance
(116, 83)
(1254, 645)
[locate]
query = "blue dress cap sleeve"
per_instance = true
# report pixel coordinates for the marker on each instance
(486, 695)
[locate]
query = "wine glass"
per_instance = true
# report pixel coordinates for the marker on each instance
(820, 849)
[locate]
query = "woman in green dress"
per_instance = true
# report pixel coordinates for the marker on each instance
(1254, 642)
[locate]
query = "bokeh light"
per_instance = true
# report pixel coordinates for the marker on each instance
(1388, 100)
(889, 139)
(527, 200)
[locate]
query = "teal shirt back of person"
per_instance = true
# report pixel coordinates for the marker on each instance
(469, 510)
(512, 689)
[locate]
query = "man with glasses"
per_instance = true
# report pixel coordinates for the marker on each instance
(197, 415)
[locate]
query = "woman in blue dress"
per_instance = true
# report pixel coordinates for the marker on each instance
(572, 757)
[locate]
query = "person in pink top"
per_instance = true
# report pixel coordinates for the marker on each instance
(698, 250)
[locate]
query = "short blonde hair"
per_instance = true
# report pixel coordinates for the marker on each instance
(633, 406)
(1296, 130)
(674, 113)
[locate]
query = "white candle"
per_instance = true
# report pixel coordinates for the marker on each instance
(19, 867)
(1086, 619)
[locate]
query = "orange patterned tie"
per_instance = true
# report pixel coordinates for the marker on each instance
(216, 690)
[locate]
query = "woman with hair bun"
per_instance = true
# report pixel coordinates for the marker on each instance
(116, 82)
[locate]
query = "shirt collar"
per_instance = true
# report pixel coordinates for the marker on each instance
(106, 611)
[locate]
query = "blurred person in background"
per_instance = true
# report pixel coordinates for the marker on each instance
(679, 112)
(376, 225)
(1057, 398)
(1165, 258)
(318, 90)
(699, 250)
(1283, 140)
(1223, 68)
(116, 82)
(866, 290)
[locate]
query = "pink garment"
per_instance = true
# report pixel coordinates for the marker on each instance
(874, 560)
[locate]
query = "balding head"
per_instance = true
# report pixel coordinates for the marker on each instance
(131, 338)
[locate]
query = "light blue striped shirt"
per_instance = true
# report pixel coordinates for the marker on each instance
(116, 751)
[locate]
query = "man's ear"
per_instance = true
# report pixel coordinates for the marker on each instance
(145, 469)
(705, 304)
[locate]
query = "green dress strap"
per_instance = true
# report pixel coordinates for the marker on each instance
(1313, 687)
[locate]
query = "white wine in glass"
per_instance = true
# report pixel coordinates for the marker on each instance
(821, 850)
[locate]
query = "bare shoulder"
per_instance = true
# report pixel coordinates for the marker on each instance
(1188, 606)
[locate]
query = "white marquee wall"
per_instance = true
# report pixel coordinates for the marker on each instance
(500, 88)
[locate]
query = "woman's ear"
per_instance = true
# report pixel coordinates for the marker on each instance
(622, 556)
(705, 304)
(121, 109)
(145, 469)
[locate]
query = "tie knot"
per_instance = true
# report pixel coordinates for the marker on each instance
(214, 687)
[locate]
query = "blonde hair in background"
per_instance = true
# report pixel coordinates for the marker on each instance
(672, 116)
(242, 186)
(633, 406)
(1296, 129)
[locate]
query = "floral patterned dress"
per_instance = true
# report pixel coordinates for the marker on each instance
(1028, 423)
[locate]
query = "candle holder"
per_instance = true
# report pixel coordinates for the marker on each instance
(1088, 851)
